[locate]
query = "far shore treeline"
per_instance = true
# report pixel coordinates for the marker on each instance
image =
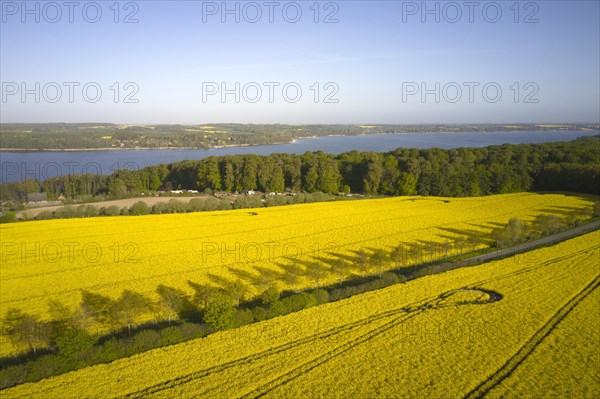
(63, 136)
(563, 166)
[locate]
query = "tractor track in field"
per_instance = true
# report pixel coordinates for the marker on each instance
(404, 313)
(308, 366)
(509, 367)
(437, 303)
(257, 356)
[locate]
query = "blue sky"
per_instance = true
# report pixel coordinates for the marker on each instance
(369, 62)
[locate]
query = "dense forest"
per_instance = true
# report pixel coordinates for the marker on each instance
(562, 166)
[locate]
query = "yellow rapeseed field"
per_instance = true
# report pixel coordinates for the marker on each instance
(492, 329)
(55, 259)
(556, 365)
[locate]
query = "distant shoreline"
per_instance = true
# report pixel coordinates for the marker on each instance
(139, 148)
(294, 140)
(94, 149)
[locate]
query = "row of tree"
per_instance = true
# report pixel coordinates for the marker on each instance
(72, 332)
(517, 231)
(563, 166)
(172, 206)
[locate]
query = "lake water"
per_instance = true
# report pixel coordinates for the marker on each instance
(17, 166)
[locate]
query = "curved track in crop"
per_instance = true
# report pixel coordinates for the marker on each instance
(398, 316)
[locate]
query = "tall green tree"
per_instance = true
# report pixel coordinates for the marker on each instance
(407, 185)
(389, 178)
(277, 182)
(329, 177)
(219, 313)
(117, 188)
(248, 173)
(264, 175)
(67, 333)
(373, 174)
(228, 176)
(270, 296)
(310, 172)
(209, 174)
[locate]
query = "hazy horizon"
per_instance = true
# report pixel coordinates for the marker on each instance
(344, 62)
(368, 123)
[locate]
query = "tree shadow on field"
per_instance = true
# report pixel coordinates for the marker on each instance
(269, 273)
(488, 225)
(360, 263)
(351, 261)
(346, 257)
(468, 234)
(431, 251)
(331, 260)
(265, 277)
(242, 274)
(220, 281)
(373, 250)
(259, 277)
(316, 261)
(359, 252)
(561, 210)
